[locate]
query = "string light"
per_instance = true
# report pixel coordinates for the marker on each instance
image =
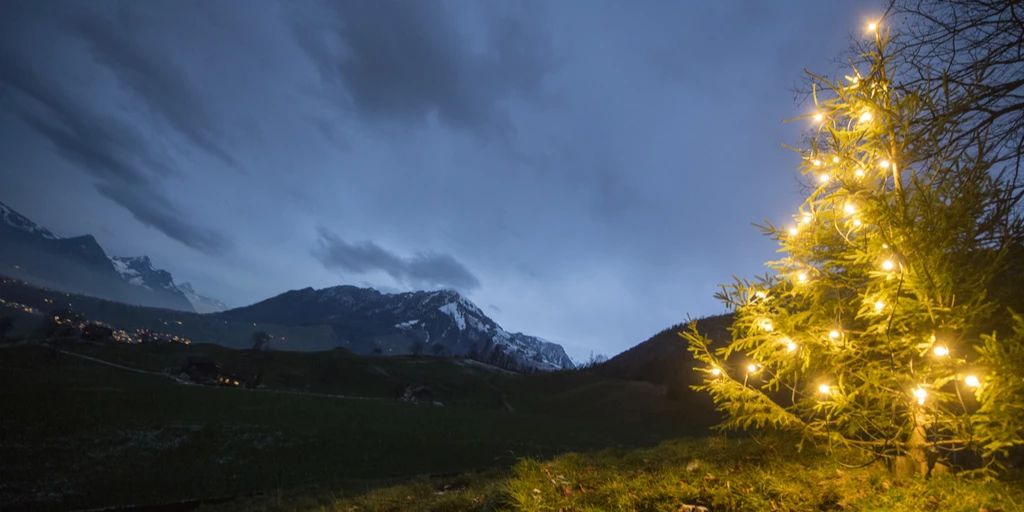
(859, 172)
(766, 325)
(806, 218)
(972, 381)
(834, 334)
(761, 294)
(790, 344)
(872, 26)
(941, 350)
(866, 117)
(801, 277)
(819, 117)
(824, 389)
(793, 231)
(920, 394)
(879, 306)
(884, 164)
(823, 178)
(716, 371)
(888, 265)
(835, 159)
(752, 368)
(816, 162)
(857, 223)
(849, 208)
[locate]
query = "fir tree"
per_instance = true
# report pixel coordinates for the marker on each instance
(876, 329)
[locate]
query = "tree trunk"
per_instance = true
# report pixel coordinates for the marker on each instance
(915, 462)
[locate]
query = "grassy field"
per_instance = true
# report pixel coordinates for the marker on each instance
(77, 434)
(713, 472)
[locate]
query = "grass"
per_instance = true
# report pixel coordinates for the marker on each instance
(74, 433)
(715, 472)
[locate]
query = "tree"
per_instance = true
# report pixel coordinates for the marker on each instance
(967, 55)
(876, 329)
(260, 340)
(416, 348)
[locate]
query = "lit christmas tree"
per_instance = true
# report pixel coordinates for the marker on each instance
(877, 329)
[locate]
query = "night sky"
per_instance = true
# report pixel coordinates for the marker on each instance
(584, 171)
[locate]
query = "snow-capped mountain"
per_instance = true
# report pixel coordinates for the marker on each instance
(201, 303)
(442, 322)
(19, 222)
(138, 270)
(78, 264)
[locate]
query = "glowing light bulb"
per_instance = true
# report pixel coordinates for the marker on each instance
(835, 159)
(859, 173)
(823, 178)
(920, 394)
(879, 306)
(941, 350)
(819, 117)
(801, 277)
(806, 218)
(824, 389)
(872, 26)
(972, 381)
(761, 294)
(716, 371)
(766, 325)
(866, 117)
(751, 368)
(857, 223)
(884, 164)
(816, 162)
(790, 345)
(834, 334)
(793, 231)
(888, 265)
(849, 208)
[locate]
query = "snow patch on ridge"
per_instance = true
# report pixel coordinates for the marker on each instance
(129, 274)
(18, 221)
(452, 309)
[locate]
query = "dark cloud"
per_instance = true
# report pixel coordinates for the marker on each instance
(411, 60)
(152, 76)
(420, 270)
(154, 210)
(107, 147)
(126, 166)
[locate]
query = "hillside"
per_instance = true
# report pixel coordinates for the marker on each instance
(196, 327)
(360, 320)
(663, 358)
(330, 420)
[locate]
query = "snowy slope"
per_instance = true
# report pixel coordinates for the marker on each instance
(431, 322)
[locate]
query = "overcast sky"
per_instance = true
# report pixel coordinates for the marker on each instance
(584, 171)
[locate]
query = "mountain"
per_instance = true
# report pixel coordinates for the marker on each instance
(443, 322)
(80, 265)
(201, 303)
(139, 270)
(663, 358)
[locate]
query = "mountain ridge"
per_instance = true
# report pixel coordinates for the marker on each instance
(80, 264)
(442, 322)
